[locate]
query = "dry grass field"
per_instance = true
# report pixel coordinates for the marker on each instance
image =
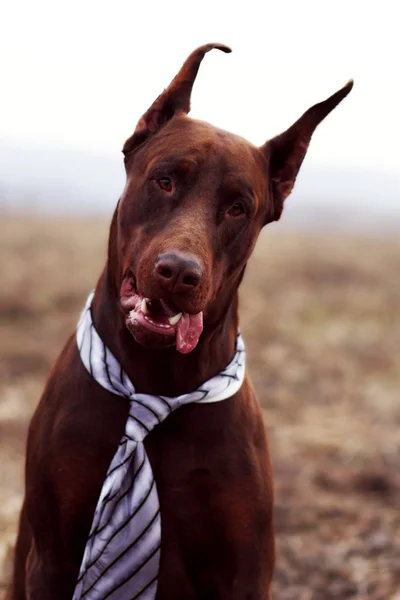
(320, 314)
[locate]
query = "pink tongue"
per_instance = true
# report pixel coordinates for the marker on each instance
(188, 332)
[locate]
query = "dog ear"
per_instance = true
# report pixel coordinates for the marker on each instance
(174, 99)
(286, 152)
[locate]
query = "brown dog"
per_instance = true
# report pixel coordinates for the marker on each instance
(195, 200)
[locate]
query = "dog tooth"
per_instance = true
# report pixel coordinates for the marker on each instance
(143, 306)
(160, 325)
(173, 320)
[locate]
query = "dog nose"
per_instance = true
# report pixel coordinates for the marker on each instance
(178, 272)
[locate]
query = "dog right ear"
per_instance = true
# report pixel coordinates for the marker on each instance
(174, 99)
(285, 152)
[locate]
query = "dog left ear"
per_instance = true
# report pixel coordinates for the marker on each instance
(174, 99)
(286, 152)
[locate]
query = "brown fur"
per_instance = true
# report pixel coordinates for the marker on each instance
(211, 462)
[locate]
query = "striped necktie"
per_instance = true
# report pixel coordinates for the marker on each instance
(122, 553)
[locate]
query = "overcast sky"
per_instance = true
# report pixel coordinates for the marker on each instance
(80, 73)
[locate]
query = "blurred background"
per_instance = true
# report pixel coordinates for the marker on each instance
(320, 301)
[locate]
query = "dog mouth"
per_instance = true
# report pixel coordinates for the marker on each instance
(156, 322)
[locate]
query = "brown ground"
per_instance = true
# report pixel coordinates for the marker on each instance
(320, 315)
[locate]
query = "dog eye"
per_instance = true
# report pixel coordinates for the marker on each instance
(236, 210)
(165, 183)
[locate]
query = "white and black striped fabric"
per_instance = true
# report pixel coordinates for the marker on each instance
(122, 553)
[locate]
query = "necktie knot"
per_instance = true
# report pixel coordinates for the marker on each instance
(145, 412)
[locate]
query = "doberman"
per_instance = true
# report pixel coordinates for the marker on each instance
(195, 200)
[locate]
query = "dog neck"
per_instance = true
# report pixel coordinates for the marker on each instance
(165, 372)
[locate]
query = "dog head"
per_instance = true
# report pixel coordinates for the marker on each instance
(195, 200)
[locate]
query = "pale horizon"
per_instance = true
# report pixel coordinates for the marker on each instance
(79, 76)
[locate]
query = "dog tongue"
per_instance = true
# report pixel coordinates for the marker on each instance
(188, 332)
